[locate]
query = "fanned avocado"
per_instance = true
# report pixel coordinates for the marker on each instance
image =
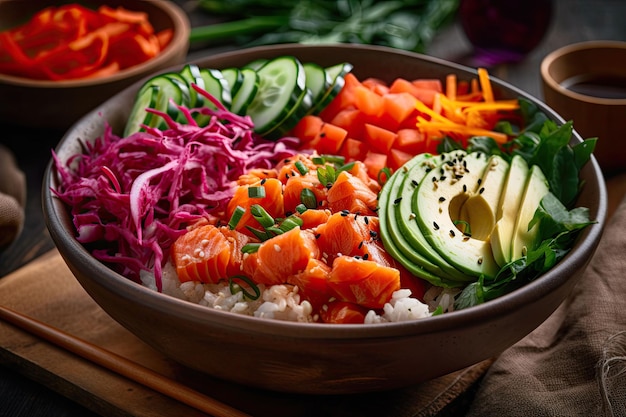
(400, 233)
(536, 188)
(439, 201)
(510, 203)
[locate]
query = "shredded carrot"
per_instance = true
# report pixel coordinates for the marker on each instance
(73, 42)
(469, 114)
(485, 84)
(451, 86)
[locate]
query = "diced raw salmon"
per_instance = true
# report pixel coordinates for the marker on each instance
(352, 194)
(362, 282)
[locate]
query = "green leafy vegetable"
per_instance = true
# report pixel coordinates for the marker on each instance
(548, 146)
(403, 24)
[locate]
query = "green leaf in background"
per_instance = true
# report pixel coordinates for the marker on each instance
(404, 24)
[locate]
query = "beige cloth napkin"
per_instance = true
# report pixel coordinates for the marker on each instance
(574, 364)
(12, 198)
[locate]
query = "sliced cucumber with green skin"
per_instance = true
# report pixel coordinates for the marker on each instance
(300, 109)
(336, 74)
(234, 77)
(146, 98)
(246, 92)
(191, 74)
(185, 100)
(318, 80)
(164, 87)
(282, 85)
(256, 64)
(216, 85)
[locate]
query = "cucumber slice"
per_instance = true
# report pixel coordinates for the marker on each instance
(168, 86)
(216, 85)
(234, 78)
(336, 73)
(317, 80)
(256, 64)
(145, 98)
(282, 86)
(191, 74)
(246, 92)
(299, 110)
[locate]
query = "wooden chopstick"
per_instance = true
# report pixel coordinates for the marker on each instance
(120, 365)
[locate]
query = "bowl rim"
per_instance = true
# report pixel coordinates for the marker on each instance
(549, 60)
(181, 26)
(576, 259)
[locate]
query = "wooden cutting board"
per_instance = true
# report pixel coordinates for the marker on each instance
(47, 291)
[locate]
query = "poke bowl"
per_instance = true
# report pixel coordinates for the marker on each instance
(53, 72)
(311, 356)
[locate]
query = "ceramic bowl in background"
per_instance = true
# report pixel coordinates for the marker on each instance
(319, 358)
(586, 82)
(58, 104)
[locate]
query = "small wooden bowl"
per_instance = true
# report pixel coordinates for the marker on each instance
(58, 104)
(599, 115)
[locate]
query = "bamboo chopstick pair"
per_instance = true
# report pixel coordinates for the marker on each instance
(120, 365)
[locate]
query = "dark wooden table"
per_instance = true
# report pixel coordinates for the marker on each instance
(573, 21)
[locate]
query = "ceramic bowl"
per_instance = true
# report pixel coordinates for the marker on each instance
(58, 104)
(321, 358)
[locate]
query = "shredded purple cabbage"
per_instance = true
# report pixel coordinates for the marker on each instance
(131, 197)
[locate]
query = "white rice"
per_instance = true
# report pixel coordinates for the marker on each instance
(282, 302)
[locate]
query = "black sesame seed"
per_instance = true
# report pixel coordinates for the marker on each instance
(436, 225)
(322, 135)
(442, 199)
(397, 201)
(450, 163)
(428, 170)
(366, 220)
(482, 190)
(365, 256)
(442, 178)
(415, 183)
(434, 179)
(344, 213)
(361, 244)
(452, 233)
(464, 188)
(317, 236)
(263, 181)
(480, 181)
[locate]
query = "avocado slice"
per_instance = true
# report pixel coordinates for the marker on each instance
(536, 188)
(481, 208)
(390, 234)
(407, 218)
(439, 200)
(400, 233)
(510, 203)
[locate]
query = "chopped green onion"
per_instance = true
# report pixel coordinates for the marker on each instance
(467, 230)
(334, 159)
(386, 173)
(307, 197)
(235, 287)
(256, 192)
(318, 160)
(301, 208)
(438, 311)
(250, 247)
(274, 230)
(262, 216)
(302, 169)
(346, 167)
(290, 223)
(262, 235)
(237, 215)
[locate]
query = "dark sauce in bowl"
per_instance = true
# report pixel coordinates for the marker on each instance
(611, 87)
